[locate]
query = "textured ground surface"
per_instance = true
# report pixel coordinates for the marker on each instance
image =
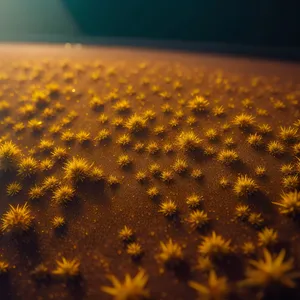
(148, 80)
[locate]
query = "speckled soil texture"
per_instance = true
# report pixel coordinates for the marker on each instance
(175, 170)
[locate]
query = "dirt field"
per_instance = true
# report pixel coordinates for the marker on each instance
(46, 91)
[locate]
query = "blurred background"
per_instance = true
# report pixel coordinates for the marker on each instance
(262, 24)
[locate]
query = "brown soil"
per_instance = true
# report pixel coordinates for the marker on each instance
(98, 213)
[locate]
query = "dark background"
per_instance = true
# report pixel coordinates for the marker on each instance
(257, 23)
